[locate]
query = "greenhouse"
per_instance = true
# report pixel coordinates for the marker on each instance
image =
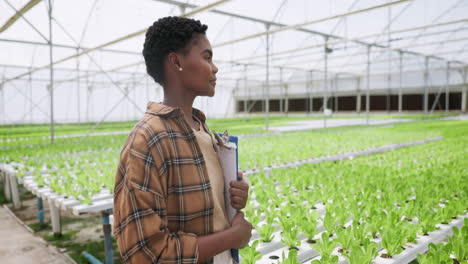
(346, 131)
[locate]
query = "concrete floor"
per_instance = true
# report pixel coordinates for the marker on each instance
(19, 246)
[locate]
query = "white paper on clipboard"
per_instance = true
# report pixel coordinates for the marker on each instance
(227, 155)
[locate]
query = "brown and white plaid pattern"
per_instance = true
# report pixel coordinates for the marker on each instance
(162, 194)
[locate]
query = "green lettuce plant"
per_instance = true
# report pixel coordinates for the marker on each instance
(439, 254)
(308, 225)
(290, 238)
(362, 254)
(266, 232)
(459, 242)
(392, 239)
(249, 254)
(291, 259)
(325, 247)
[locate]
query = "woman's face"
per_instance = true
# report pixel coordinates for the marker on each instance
(198, 73)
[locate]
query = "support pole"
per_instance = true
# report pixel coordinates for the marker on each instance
(358, 95)
(400, 87)
(78, 85)
(40, 211)
(88, 101)
(30, 101)
(325, 82)
(307, 101)
(2, 93)
(389, 43)
(311, 99)
(55, 219)
(447, 90)
(286, 103)
(426, 85)
(368, 84)
(267, 83)
(135, 110)
(464, 91)
(106, 227)
(245, 89)
(6, 186)
(281, 91)
(335, 94)
(51, 70)
(15, 197)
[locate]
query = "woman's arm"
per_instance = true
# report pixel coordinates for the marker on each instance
(236, 236)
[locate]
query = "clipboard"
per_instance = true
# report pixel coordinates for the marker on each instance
(228, 155)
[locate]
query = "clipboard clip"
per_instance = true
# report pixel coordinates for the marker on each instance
(222, 140)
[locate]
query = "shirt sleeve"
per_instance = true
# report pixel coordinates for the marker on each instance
(140, 224)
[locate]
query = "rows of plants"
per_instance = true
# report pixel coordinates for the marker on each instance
(90, 166)
(29, 136)
(33, 134)
(374, 207)
(296, 146)
(456, 248)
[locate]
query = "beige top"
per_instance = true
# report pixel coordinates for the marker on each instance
(215, 174)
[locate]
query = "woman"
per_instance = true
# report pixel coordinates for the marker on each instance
(168, 196)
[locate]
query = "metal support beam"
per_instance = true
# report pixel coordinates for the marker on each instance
(335, 97)
(15, 194)
(245, 89)
(281, 108)
(2, 103)
(106, 227)
(19, 14)
(267, 82)
(118, 40)
(368, 84)
(51, 70)
(311, 101)
(426, 86)
(40, 211)
(358, 95)
(78, 86)
(400, 86)
(447, 89)
(30, 102)
(465, 90)
(325, 83)
(6, 184)
(300, 25)
(55, 219)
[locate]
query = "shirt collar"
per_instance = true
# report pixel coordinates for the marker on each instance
(159, 109)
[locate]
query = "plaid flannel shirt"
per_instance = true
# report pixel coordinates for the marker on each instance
(162, 195)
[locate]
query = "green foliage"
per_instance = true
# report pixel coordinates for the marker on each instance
(289, 238)
(345, 238)
(291, 259)
(392, 239)
(363, 254)
(308, 225)
(266, 232)
(439, 254)
(324, 247)
(249, 254)
(459, 242)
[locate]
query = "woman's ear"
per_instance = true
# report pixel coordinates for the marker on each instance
(174, 62)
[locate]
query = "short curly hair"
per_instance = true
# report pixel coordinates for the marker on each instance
(166, 35)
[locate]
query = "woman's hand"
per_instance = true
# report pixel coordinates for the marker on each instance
(239, 191)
